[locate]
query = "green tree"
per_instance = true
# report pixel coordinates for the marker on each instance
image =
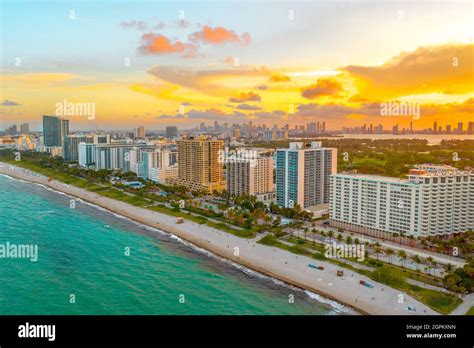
(402, 255)
(330, 234)
(390, 253)
(377, 251)
(417, 260)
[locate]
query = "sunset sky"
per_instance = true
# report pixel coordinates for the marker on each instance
(298, 62)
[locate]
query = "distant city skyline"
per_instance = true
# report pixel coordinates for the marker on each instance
(176, 64)
(266, 131)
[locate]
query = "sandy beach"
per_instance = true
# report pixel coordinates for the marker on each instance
(280, 264)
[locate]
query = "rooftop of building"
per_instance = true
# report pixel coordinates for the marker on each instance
(298, 146)
(422, 170)
(435, 170)
(371, 177)
(318, 208)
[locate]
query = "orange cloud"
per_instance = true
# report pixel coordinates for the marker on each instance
(444, 69)
(245, 97)
(324, 87)
(218, 36)
(279, 78)
(160, 44)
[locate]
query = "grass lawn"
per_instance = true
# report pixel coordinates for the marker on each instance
(470, 311)
(122, 196)
(316, 246)
(439, 301)
(244, 233)
(271, 240)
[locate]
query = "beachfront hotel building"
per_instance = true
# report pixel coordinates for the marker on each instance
(200, 166)
(303, 174)
(249, 172)
(434, 200)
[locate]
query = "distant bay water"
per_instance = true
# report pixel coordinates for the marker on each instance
(82, 259)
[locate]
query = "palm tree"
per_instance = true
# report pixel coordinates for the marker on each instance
(416, 259)
(377, 251)
(305, 232)
(434, 264)
(339, 237)
(402, 255)
(449, 267)
(330, 234)
(430, 261)
(390, 253)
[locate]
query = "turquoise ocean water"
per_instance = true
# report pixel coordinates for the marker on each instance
(82, 251)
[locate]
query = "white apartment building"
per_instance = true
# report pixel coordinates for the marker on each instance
(434, 200)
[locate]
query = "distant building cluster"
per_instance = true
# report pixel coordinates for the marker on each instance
(436, 129)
